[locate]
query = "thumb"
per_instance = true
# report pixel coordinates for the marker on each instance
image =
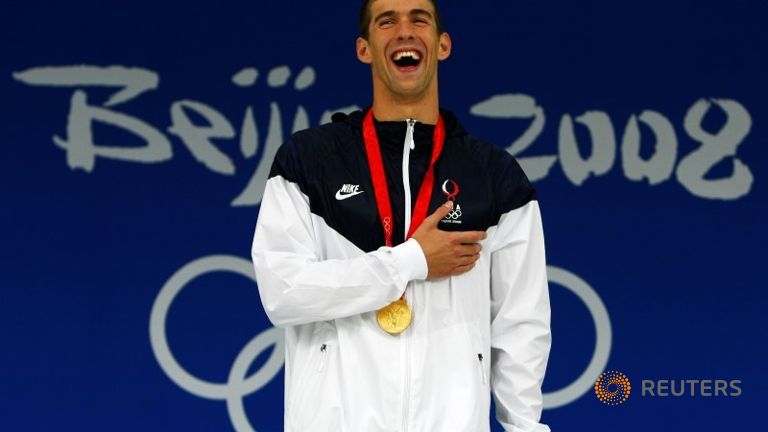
(440, 213)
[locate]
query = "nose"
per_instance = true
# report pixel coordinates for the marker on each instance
(405, 30)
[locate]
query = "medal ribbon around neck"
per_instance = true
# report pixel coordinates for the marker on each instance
(396, 317)
(380, 189)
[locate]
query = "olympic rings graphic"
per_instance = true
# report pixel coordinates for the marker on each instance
(454, 214)
(238, 385)
(603, 338)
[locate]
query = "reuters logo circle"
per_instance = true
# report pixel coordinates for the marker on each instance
(612, 388)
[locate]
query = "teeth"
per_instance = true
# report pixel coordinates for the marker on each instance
(412, 54)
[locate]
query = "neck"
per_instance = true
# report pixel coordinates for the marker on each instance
(391, 107)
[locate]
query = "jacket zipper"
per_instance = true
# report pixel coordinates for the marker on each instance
(407, 379)
(408, 145)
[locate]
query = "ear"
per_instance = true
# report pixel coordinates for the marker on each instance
(445, 46)
(363, 51)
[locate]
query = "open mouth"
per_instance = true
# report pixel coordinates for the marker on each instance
(407, 59)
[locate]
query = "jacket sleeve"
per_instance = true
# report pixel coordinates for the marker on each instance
(297, 286)
(520, 311)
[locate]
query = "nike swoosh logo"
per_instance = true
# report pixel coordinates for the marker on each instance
(341, 197)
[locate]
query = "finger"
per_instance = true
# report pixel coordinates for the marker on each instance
(439, 213)
(467, 259)
(467, 249)
(468, 236)
(462, 269)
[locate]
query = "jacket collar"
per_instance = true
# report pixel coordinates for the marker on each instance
(453, 127)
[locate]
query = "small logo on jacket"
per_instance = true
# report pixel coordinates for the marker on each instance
(455, 214)
(348, 191)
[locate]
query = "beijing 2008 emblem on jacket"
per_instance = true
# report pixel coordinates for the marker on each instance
(323, 271)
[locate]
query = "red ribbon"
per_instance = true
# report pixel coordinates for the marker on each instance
(380, 189)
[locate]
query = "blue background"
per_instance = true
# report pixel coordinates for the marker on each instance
(85, 254)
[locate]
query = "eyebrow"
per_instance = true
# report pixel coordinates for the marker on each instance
(412, 12)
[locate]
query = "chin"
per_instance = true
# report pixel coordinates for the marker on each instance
(409, 89)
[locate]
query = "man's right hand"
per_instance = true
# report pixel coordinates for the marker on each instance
(448, 253)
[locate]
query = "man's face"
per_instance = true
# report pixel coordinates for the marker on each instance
(403, 46)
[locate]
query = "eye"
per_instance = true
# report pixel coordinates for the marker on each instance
(387, 22)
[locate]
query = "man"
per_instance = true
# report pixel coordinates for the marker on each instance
(404, 257)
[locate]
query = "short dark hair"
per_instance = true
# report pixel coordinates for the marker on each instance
(365, 18)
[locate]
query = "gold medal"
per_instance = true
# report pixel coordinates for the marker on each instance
(395, 317)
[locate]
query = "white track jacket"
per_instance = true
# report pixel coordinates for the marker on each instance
(322, 275)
